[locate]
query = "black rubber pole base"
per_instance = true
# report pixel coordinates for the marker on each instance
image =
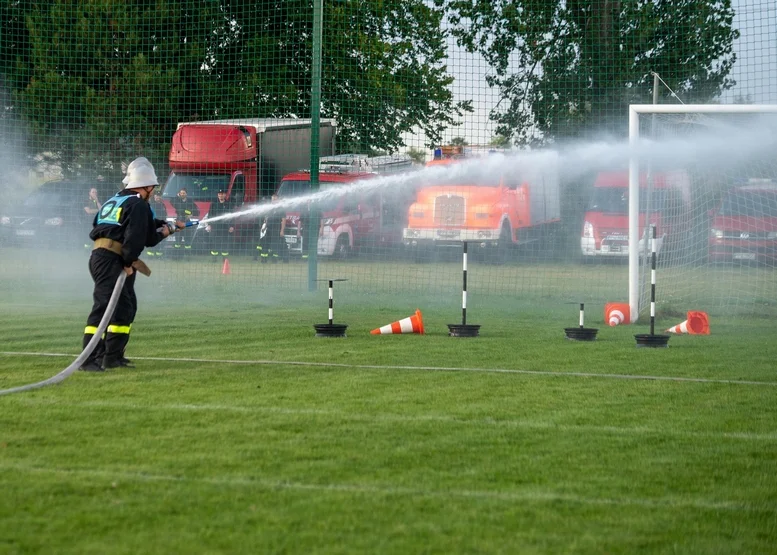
(581, 334)
(654, 341)
(463, 330)
(330, 330)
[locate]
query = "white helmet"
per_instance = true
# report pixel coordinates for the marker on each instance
(137, 162)
(142, 175)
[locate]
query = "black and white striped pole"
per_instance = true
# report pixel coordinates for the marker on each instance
(464, 329)
(331, 329)
(581, 333)
(651, 339)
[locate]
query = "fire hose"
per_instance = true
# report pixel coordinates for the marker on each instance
(89, 347)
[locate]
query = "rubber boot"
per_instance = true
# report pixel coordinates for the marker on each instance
(115, 343)
(92, 363)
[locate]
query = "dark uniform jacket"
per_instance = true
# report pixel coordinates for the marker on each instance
(274, 221)
(185, 210)
(219, 209)
(127, 219)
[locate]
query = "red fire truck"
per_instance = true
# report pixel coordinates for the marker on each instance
(356, 220)
(605, 230)
(244, 157)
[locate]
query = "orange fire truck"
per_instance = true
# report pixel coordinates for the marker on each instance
(497, 211)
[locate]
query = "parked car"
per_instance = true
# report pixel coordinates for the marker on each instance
(51, 216)
(744, 226)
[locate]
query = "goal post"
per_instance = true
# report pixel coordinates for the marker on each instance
(636, 301)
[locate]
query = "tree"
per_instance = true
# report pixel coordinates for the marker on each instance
(104, 80)
(500, 141)
(417, 155)
(383, 71)
(566, 68)
(109, 80)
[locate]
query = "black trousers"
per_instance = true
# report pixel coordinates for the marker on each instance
(221, 240)
(105, 268)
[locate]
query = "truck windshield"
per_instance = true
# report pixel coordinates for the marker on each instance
(615, 200)
(293, 188)
(752, 204)
(198, 186)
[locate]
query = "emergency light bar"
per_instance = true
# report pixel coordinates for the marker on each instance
(361, 163)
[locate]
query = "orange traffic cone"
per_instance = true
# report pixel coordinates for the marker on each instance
(697, 323)
(411, 324)
(225, 270)
(617, 313)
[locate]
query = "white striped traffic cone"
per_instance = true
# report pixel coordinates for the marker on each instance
(697, 323)
(411, 324)
(617, 313)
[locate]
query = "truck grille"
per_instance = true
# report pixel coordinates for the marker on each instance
(449, 210)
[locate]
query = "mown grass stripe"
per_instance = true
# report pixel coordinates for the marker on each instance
(679, 379)
(525, 495)
(384, 417)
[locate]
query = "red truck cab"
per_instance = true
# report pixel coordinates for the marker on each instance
(744, 226)
(350, 220)
(245, 157)
(606, 221)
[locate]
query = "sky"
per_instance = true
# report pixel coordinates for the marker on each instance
(755, 72)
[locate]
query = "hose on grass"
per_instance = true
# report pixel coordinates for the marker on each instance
(89, 347)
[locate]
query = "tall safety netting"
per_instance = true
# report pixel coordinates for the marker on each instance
(368, 141)
(709, 185)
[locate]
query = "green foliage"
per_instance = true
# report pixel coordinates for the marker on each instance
(102, 81)
(570, 68)
(417, 155)
(500, 141)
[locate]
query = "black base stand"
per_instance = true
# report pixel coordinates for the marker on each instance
(651, 340)
(463, 330)
(330, 330)
(581, 334)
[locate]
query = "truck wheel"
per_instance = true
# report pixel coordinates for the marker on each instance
(342, 248)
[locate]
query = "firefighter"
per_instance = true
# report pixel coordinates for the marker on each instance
(305, 221)
(185, 209)
(272, 244)
(159, 211)
(122, 228)
(221, 234)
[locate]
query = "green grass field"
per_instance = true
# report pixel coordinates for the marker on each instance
(241, 432)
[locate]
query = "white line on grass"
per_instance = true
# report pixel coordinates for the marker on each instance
(532, 495)
(389, 418)
(424, 368)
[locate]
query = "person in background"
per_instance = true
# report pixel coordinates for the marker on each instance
(91, 207)
(272, 244)
(123, 227)
(185, 210)
(221, 234)
(305, 222)
(159, 210)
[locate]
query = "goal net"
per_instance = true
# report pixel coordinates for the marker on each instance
(707, 180)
